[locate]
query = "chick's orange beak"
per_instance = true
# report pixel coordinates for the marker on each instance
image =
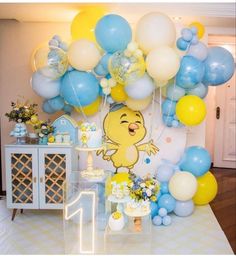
(132, 127)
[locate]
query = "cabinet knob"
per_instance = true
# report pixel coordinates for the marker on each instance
(41, 179)
(34, 179)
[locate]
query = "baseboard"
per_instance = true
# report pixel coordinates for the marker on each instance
(2, 193)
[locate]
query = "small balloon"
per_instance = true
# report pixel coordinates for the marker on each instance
(167, 201)
(200, 90)
(56, 103)
(164, 173)
(118, 93)
(168, 107)
(182, 44)
(200, 29)
(184, 208)
(187, 34)
(174, 92)
(198, 51)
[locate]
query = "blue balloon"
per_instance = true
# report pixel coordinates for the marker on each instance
(113, 33)
(157, 220)
(184, 208)
(166, 221)
(168, 107)
(167, 201)
(175, 92)
(219, 66)
(182, 44)
(79, 88)
(167, 120)
(68, 109)
(158, 195)
(56, 103)
(47, 108)
(162, 212)
(190, 73)
(187, 34)
(195, 160)
(164, 187)
(164, 173)
(194, 40)
(102, 68)
(154, 209)
(175, 123)
(200, 90)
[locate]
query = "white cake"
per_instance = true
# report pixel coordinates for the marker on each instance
(89, 136)
(137, 209)
(119, 190)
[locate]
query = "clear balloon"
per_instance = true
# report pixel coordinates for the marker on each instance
(162, 63)
(191, 72)
(83, 55)
(153, 30)
(138, 104)
(79, 88)
(198, 51)
(113, 33)
(200, 90)
(219, 66)
(51, 62)
(175, 92)
(125, 69)
(44, 86)
(184, 208)
(141, 88)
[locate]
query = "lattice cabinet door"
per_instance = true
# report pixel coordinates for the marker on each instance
(22, 177)
(54, 165)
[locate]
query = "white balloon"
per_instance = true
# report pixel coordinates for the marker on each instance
(44, 86)
(199, 51)
(141, 88)
(153, 30)
(183, 185)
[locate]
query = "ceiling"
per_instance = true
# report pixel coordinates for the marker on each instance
(210, 14)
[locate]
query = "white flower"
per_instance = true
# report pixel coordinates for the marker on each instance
(44, 127)
(151, 187)
(142, 185)
(149, 192)
(41, 135)
(19, 120)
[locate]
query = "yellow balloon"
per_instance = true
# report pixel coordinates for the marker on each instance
(118, 178)
(84, 22)
(91, 109)
(206, 190)
(191, 110)
(200, 29)
(118, 93)
(138, 105)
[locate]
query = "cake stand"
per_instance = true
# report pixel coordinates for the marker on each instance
(120, 202)
(91, 173)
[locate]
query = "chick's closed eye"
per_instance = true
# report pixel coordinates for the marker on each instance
(124, 121)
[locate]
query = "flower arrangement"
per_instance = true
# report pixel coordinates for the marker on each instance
(21, 112)
(143, 189)
(43, 128)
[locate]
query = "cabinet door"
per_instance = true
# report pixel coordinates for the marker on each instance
(54, 164)
(22, 177)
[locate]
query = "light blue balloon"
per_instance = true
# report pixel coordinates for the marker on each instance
(47, 108)
(164, 173)
(182, 44)
(157, 220)
(195, 160)
(102, 68)
(175, 123)
(56, 103)
(200, 90)
(162, 212)
(194, 30)
(167, 201)
(79, 88)
(166, 221)
(167, 120)
(187, 34)
(194, 40)
(219, 66)
(141, 88)
(164, 187)
(113, 33)
(198, 51)
(154, 209)
(68, 109)
(190, 73)
(168, 107)
(175, 92)
(184, 208)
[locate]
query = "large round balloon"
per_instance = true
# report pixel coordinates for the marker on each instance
(118, 93)
(47, 108)
(219, 66)
(153, 30)
(113, 33)
(51, 62)
(200, 90)
(206, 190)
(56, 103)
(138, 104)
(198, 51)
(196, 160)
(141, 88)
(84, 23)
(183, 186)
(91, 109)
(191, 110)
(191, 72)
(44, 86)
(174, 92)
(167, 201)
(79, 88)
(83, 55)
(126, 69)
(162, 63)
(184, 208)
(164, 173)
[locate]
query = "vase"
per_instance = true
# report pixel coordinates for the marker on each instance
(43, 140)
(20, 132)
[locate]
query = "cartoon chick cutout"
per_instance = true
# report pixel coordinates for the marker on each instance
(124, 129)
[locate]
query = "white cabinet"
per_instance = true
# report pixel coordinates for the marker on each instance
(35, 175)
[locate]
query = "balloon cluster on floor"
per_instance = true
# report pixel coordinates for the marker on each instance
(103, 64)
(184, 185)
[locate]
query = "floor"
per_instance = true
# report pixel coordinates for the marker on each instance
(224, 205)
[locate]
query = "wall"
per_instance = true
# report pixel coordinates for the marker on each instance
(17, 42)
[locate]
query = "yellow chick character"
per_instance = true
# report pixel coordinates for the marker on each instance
(124, 129)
